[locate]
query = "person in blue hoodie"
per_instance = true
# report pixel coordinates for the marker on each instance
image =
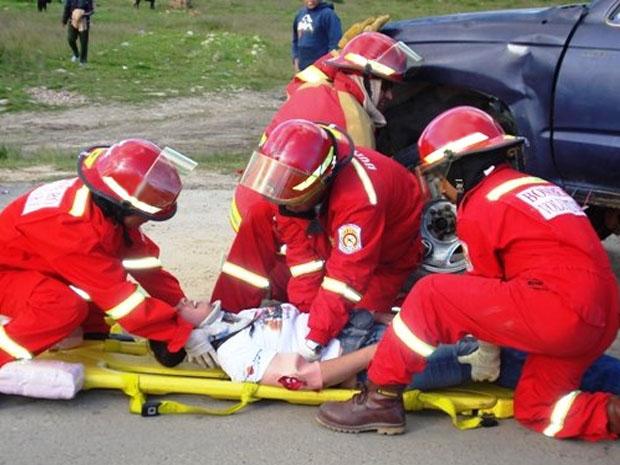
(316, 31)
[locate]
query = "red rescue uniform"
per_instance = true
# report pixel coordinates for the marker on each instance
(358, 253)
(339, 102)
(539, 281)
(334, 98)
(60, 256)
(315, 73)
(319, 93)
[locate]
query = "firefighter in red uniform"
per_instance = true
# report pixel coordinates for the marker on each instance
(349, 91)
(348, 216)
(539, 281)
(68, 248)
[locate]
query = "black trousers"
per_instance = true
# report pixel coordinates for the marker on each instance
(137, 3)
(72, 36)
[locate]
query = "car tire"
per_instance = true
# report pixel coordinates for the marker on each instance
(596, 215)
(413, 109)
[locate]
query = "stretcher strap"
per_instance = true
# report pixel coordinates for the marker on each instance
(447, 406)
(139, 404)
(417, 400)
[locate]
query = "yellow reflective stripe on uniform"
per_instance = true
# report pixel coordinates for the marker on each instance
(141, 263)
(13, 348)
(312, 74)
(306, 268)
(366, 182)
(507, 186)
(83, 294)
(341, 288)
(358, 124)
(234, 217)
(79, 202)
(128, 305)
(412, 341)
(244, 275)
(560, 411)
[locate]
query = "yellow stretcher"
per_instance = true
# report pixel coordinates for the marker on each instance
(129, 367)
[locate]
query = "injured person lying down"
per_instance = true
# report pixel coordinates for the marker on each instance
(261, 345)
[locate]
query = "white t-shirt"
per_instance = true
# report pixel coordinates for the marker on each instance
(247, 354)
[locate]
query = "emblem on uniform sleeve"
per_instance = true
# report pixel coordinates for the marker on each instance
(550, 201)
(349, 238)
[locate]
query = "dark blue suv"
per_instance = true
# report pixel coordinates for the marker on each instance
(550, 74)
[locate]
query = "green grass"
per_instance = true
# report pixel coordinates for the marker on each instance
(134, 55)
(14, 158)
(137, 55)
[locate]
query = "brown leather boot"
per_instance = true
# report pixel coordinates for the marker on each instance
(613, 414)
(376, 408)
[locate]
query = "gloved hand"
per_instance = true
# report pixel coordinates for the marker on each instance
(199, 349)
(310, 350)
(372, 23)
(484, 362)
(377, 24)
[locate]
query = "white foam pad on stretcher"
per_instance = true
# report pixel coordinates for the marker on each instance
(45, 379)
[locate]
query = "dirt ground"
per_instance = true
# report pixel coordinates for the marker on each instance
(212, 123)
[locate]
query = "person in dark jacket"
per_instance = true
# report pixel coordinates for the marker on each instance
(316, 31)
(77, 15)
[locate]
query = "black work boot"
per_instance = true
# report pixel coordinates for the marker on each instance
(613, 414)
(376, 408)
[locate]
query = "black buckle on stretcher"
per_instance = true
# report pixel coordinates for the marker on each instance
(150, 408)
(488, 420)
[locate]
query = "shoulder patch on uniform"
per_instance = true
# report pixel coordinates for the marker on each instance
(550, 201)
(349, 238)
(47, 196)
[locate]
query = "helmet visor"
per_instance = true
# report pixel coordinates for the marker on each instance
(156, 193)
(391, 64)
(280, 183)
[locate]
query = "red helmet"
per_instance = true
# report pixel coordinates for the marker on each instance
(377, 54)
(136, 175)
(296, 161)
(461, 131)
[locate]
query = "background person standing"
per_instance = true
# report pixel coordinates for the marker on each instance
(316, 31)
(77, 15)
